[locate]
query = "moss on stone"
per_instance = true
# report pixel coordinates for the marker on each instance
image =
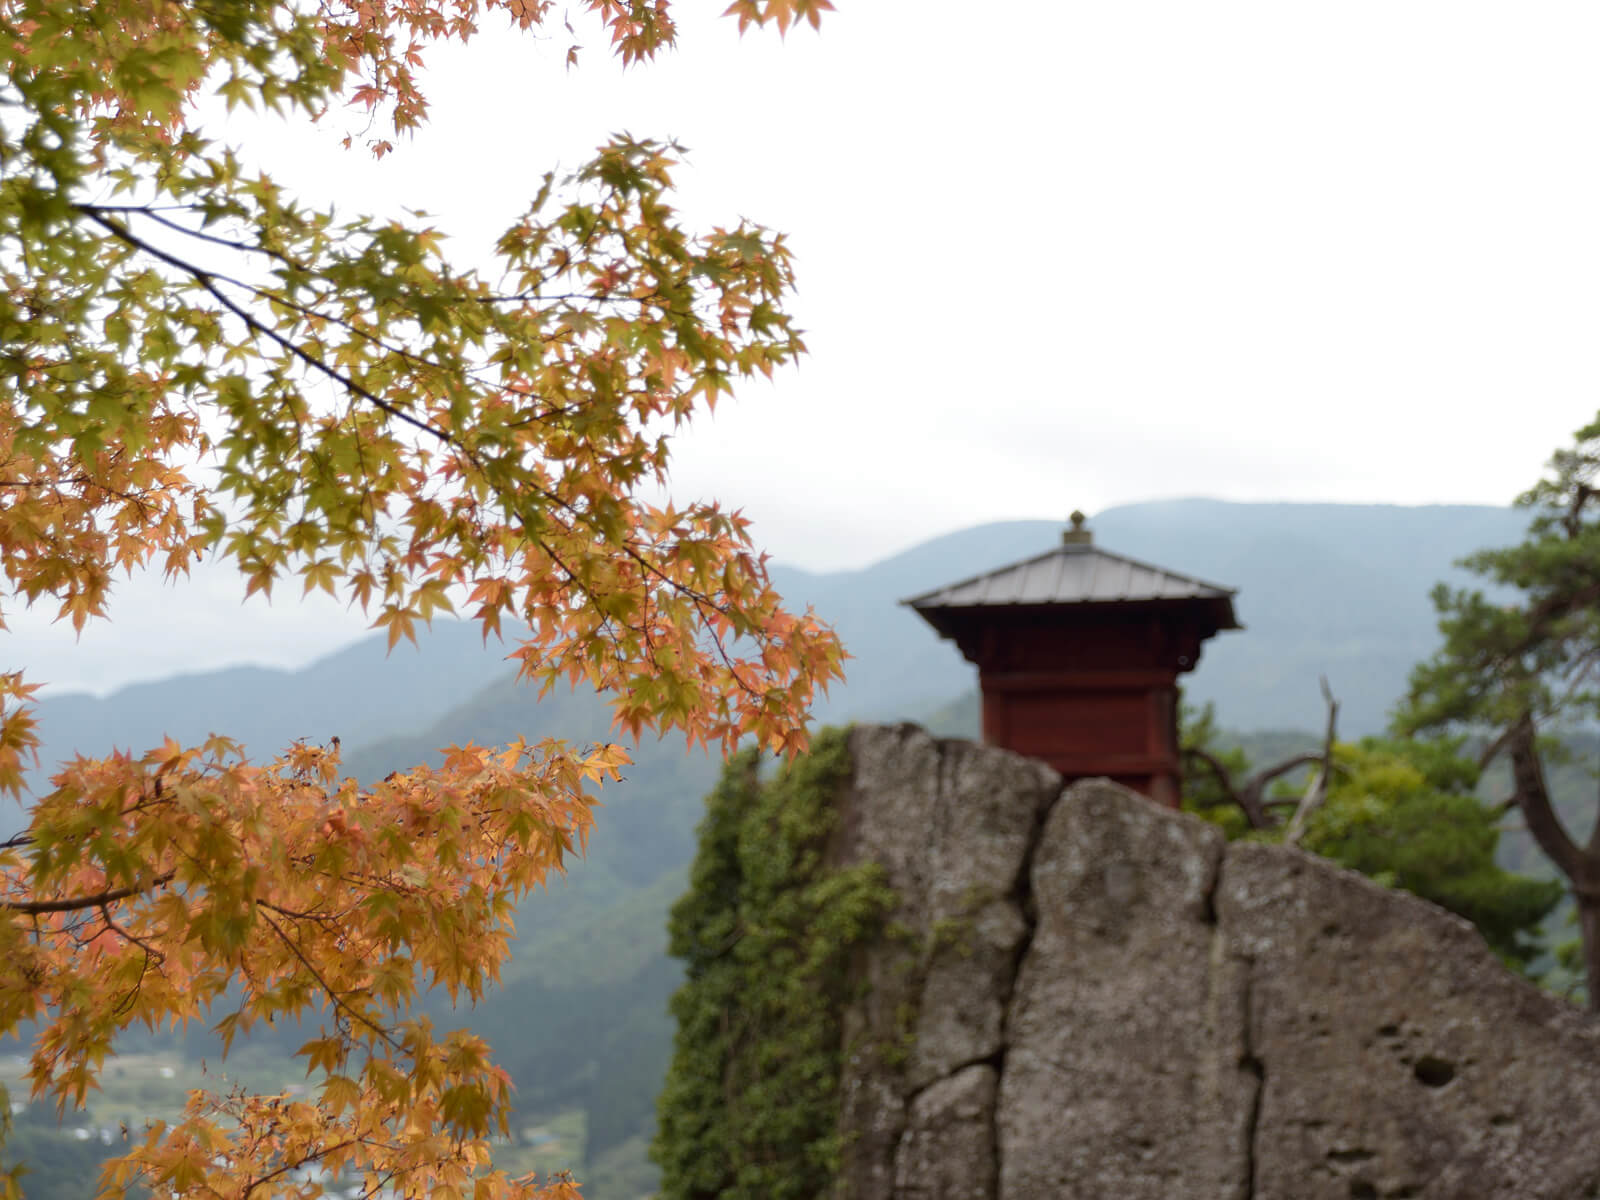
(767, 933)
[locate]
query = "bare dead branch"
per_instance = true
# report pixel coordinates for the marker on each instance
(1317, 791)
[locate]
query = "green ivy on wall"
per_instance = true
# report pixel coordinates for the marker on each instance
(767, 931)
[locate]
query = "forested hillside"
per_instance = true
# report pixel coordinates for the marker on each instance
(580, 1020)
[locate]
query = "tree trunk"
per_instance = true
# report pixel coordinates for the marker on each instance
(1589, 925)
(1581, 865)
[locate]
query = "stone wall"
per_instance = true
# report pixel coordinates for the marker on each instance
(1090, 996)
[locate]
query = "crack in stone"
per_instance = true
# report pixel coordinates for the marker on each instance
(1251, 1064)
(1231, 998)
(1022, 897)
(946, 750)
(1208, 902)
(995, 1060)
(894, 1120)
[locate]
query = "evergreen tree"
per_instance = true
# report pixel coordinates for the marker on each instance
(1507, 670)
(1404, 813)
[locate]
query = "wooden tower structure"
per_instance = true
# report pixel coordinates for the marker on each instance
(1078, 654)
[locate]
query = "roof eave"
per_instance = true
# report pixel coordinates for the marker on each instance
(1222, 605)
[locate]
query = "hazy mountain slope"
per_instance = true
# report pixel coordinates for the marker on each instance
(358, 694)
(1335, 588)
(1323, 588)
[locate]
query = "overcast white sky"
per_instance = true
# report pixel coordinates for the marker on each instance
(1054, 255)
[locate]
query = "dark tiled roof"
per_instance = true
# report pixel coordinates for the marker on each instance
(1071, 574)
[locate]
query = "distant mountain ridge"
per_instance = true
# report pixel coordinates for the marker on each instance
(1323, 588)
(1341, 590)
(358, 694)
(1331, 589)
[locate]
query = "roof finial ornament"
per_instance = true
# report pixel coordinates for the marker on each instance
(1077, 535)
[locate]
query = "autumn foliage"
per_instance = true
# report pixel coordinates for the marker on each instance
(198, 363)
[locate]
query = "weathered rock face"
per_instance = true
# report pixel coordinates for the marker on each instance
(953, 824)
(1124, 1073)
(1398, 1058)
(1091, 996)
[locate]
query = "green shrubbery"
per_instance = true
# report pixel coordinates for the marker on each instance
(767, 932)
(1404, 812)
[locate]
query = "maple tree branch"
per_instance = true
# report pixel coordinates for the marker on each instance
(209, 279)
(310, 1156)
(566, 297)
(150, 951)
(701, 604)
(339, 1001)
(584, 244)
(314, 918)
(151, 213)
(380, 1186)
(305, 310)
(150, 955)
(78, 903)
(88, 486)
